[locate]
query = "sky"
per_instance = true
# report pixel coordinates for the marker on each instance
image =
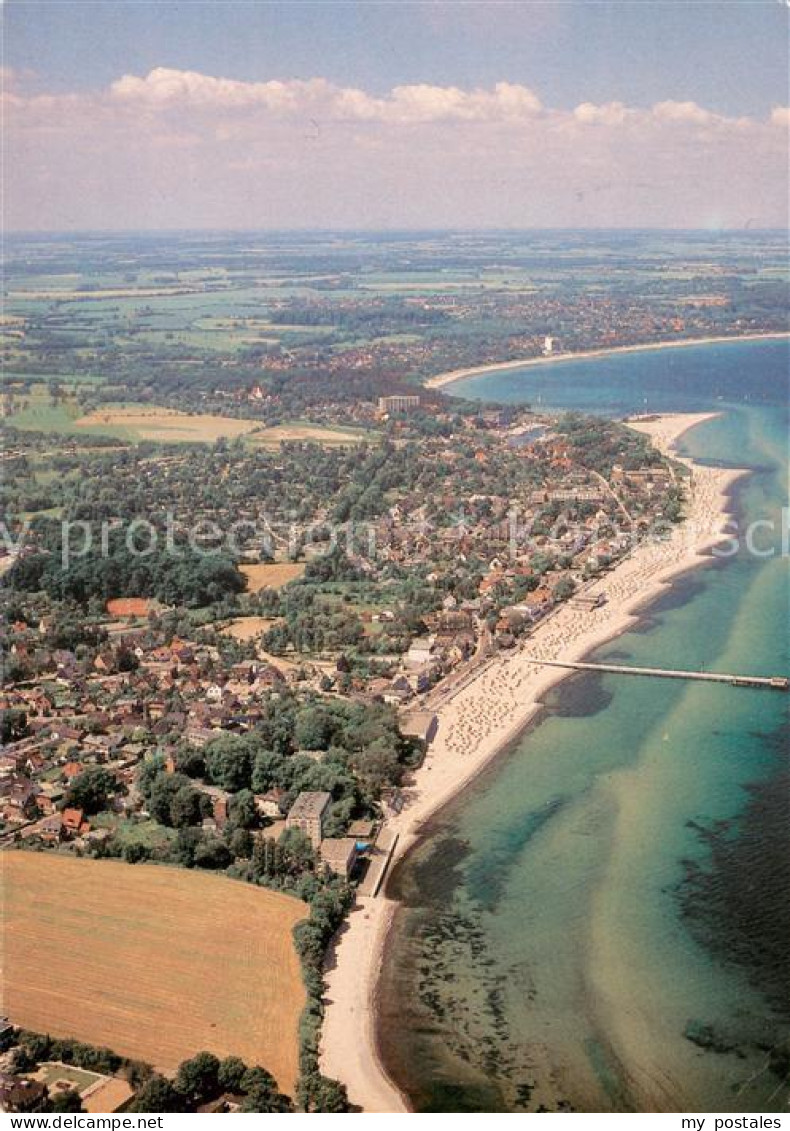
(442, 113)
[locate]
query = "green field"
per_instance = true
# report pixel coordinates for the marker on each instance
(36, 412)
(53, 1073)
(148, 833)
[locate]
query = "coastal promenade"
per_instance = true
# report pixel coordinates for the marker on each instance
(476, 723)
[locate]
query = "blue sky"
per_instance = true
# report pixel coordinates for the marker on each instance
(730, 57)
(444, 113)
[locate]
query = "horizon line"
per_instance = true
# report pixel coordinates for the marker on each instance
(428, 229)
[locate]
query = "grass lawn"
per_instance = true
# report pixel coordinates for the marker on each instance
(53, 1073)
(149, 833)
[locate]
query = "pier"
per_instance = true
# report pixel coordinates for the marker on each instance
(770, 683)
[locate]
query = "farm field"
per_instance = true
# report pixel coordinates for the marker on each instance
(247, 628)
(166, 425)
(156, 963)
(270, 575)
(35, 411)
(307, 432)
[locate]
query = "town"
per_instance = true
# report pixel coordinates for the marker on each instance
(249, 556)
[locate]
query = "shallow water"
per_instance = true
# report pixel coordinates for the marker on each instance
(551, 952)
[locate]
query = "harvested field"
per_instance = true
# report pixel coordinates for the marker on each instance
(168, 425)
(157, 963)
(65, 295)
(247, 628)
(312, 433)
(271, 575)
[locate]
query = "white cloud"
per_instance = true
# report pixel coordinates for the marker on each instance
(166, 87)
(688, 112)
(608, 114)
(420, 102)
(179, 148)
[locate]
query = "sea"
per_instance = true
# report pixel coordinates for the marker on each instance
(600, 921)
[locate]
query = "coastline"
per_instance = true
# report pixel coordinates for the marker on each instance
(475, 725)
(449, 378)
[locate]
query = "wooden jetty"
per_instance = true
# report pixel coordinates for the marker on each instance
(771, 683)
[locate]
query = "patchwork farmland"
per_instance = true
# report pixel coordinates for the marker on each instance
(156, 963)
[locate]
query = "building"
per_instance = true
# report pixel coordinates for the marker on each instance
(339, 854)
(268, 804)
(73, 824)
(420, 650)
(20, 1094)
(548, 345)
(421, 725)
(396, 404)
(307, 814)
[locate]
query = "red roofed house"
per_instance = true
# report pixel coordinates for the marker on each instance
(73, 823)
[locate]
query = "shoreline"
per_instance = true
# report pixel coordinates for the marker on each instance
(476, 725)
(449, 378)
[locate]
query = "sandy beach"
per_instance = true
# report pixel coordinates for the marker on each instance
(442, 379)
(475, 724)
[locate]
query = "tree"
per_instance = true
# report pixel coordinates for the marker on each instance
(261, 1099)
(268, 772)
(91, 790)
(242, 843)
(297, 850)
(231, 1073)
(158, 1094)
(313, 729)
(187, 843)
(13, 724)
(126, 660)
(329, 1095)
(229, 762)
(242, 809)
(198, 1078)
(67, 1100)
(23, 1060)
(258, 1079)
(136, 853)
(185, 807)
(376, 766)
(191, 762)
(213, 853)
(564, 588)
(172, 799)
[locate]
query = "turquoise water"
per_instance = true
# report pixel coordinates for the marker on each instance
(552, 952)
